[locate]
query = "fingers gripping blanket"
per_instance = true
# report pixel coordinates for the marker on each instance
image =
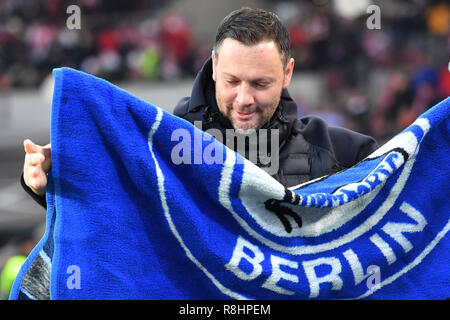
(143, 205)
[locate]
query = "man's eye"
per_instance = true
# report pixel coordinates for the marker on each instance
(260, 84)
(232, 82)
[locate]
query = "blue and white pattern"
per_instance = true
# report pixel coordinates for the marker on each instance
(135, 225)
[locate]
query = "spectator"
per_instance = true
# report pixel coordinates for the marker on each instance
(23, 243)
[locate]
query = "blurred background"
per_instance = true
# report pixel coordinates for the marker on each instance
(372, 76)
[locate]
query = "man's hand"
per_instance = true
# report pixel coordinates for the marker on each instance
(38, 161)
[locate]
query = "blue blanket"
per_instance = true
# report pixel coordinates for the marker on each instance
(143, 205)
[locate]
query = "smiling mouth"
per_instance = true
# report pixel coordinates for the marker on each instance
(243, 115)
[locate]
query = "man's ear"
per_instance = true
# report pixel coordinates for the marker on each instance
(288, 73)
(213, 57)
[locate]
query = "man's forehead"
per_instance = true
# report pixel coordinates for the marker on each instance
(262, 59)
(265, 44)
(250, 77)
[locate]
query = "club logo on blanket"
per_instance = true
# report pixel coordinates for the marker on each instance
(317, 245)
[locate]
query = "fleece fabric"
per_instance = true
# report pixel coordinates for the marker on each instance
(143, 205)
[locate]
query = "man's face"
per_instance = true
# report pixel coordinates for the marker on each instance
(249, 81)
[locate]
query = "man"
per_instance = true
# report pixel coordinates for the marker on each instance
(243, 86)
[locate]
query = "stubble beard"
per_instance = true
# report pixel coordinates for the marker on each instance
(264, 115)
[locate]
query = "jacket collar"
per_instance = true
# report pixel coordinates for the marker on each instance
(202, 81)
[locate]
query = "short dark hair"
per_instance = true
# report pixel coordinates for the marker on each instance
(251, 26)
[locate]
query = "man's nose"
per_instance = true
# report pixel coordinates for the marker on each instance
(244, 95)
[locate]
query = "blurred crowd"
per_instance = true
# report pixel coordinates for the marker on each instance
(376, 80)
(118, 40)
